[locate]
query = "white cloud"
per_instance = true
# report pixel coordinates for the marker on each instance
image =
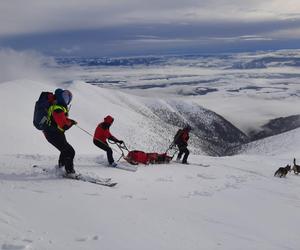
(18, 17)
(286, 33)
(70, 50)
(254, 38)
(286, 9)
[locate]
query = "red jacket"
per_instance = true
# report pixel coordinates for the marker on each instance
(102, 133)
(185, 136)
(62, 120)
(182, 137)
(59, 118)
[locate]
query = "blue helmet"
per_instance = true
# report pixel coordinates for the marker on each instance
(63, 97)
(58, 92)
(67, 96)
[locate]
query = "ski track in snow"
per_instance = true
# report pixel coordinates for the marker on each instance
(147, 185)
(187, 184)
(234, 177)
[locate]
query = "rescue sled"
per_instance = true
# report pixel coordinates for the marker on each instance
(136, 157)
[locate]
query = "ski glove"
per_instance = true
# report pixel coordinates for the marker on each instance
(120, 141)
(73, 122)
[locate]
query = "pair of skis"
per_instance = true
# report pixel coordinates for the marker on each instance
(85, 178)
(192, 164)
(80, 177)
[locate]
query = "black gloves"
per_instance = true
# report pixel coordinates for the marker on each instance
(120, 141)
(73, 122)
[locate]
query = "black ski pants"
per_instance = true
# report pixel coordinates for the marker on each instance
(183, 150)
(67, 152)
(106, 148)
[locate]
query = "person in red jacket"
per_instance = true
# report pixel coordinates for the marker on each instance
(102, 134)
(57, 123)
(181, 138)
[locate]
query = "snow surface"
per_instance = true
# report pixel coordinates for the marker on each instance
(227, 203)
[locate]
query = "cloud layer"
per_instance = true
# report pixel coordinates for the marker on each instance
(70, 27)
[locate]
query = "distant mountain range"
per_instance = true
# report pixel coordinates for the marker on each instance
(230, 75)
(230, 61)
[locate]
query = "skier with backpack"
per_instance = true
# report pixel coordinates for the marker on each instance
(102, 134)
(51, 116)
(180, 140)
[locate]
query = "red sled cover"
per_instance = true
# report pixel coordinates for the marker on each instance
(135, 157)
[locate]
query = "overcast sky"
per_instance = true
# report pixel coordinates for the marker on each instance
(137, 27)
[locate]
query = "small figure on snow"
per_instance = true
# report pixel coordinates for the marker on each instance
(180, 140)
(57, 123)
(101, 135)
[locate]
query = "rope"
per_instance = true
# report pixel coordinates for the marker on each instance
(122, 147)
(172, 147)
(87, 132)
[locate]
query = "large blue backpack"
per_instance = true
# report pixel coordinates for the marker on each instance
(40, 115)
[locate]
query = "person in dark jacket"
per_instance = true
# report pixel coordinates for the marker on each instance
(58, 122)
(181, 141)
(102, 134)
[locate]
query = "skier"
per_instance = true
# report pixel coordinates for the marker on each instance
(180, 140)
(57, 123)
(101, 135)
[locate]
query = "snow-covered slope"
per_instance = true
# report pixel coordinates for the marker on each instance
(91, 104)
(285, 144)
(225, 203)
(212, 133)
(147, 124)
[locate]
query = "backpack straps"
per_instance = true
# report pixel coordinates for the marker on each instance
(51, 109)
